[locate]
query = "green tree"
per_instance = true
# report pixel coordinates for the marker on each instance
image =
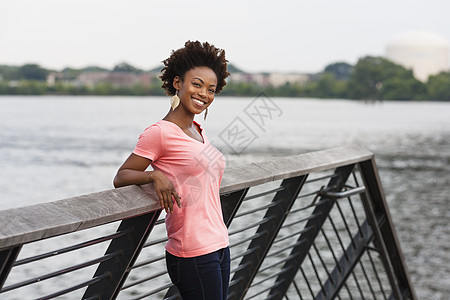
(438, 86)
(70, 73)
(340, 70)
(376, 78)
(240, 89)
(33, 72)
(398, 88)
(31, 87)
(329, 87)
(9, 73)
(94, 69)
(124, 67)
(310, 88)
(233, 69)
(4, 88)
(288, 90)
(103, 89)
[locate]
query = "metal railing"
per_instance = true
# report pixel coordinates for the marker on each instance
(310, 226)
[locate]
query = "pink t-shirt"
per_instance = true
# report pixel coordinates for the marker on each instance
(196, 170)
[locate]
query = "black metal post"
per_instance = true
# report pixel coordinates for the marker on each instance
(381, 221)
(7, 259)
(231, 203)
(119, 267)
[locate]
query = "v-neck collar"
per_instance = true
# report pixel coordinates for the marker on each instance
(184, 133)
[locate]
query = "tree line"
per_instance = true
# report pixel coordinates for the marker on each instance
(371, 78)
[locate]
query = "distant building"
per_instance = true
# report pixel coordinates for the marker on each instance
(247, 77)
(92, 78)
(269, 79)
(116, 79)
(123, 79)
(54, 77)
(277, 79)
(426, 53)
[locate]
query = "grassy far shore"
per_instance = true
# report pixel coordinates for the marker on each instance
(372, 78)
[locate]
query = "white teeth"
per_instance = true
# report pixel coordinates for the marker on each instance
(198, 101)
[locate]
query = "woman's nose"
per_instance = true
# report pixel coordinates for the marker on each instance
(202, 93)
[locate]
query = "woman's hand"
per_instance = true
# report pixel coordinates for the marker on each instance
(165, 190)
(133, 171)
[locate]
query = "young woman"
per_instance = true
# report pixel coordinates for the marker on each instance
(187, 171)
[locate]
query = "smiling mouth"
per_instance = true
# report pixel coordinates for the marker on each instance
(199, 102)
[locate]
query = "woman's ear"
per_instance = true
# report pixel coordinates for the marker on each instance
(176, 82)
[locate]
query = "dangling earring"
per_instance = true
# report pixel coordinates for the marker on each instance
(175, 101)
(206, 113)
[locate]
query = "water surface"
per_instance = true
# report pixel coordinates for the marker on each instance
(57, 147)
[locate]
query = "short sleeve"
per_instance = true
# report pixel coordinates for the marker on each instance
(149, 144)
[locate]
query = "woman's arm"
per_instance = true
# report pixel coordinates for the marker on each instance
(133, 171)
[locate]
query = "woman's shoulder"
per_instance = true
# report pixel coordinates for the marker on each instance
(152, 130)
(161, 124)
(161, 127)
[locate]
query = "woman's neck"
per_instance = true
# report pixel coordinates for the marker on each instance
(182, 119)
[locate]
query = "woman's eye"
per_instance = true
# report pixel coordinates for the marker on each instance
(196, 84)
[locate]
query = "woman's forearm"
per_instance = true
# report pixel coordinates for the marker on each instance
(164, 187)
(129, 177)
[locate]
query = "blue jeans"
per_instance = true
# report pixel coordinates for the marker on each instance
(202, 277)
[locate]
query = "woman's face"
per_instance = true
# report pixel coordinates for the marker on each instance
(197, 89)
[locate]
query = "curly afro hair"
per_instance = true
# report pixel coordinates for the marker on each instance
(194, 54)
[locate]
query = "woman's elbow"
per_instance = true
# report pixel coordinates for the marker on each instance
(117, 182)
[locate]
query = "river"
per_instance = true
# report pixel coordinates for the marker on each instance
(54, 147)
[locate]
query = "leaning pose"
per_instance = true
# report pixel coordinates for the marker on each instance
(187, 171)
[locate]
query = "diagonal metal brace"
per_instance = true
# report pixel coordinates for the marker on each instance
(347, 262)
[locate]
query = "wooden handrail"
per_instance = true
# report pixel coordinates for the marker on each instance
(30, 223)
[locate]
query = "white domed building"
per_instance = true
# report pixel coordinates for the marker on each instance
(424, 52)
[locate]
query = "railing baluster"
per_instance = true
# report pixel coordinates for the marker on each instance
(376, 273)
(70, 248)
(346, 263)
(317, 276)
(323, 263)
(348, 291)
(305, 278)
(106, 257)
(367, 278)
(75, 287)
(361, 293)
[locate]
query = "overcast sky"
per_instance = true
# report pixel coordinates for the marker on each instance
(277, 35)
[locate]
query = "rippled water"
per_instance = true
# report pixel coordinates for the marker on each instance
(57, 147)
